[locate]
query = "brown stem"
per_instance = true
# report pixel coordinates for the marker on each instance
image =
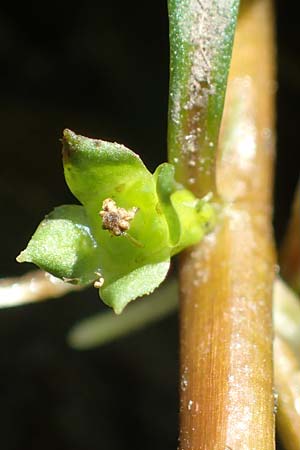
(226, 398)
(287, 382)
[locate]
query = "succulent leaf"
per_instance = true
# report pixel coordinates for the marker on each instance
(142, 281)
(63, 245)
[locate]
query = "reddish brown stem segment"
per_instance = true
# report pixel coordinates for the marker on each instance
(226, 396)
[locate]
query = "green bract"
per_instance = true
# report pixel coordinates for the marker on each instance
(129, 225)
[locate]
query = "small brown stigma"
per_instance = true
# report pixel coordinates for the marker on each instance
(115, 219)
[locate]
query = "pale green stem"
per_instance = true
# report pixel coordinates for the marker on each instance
(201, 37)
(103, 328)
(106, 327)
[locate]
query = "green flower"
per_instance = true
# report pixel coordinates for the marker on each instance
(130, 222)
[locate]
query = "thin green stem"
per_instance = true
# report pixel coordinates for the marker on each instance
(106, 327)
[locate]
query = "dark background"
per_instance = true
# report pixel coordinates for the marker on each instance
(101, 69)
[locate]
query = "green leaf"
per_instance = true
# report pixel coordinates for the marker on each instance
(139, 282)
(64, 246)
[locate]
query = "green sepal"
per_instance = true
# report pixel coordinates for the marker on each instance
(165, 186)
(64, 246)
(188, 217)
(96, 169)
(141, 281)
(197, 218)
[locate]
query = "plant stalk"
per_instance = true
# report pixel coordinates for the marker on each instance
(226, 396)
(35, 286)
(201, 36)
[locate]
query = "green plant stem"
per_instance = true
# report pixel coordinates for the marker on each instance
(226, 398)
(37, 286)
(201, 36)
(105, 327)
